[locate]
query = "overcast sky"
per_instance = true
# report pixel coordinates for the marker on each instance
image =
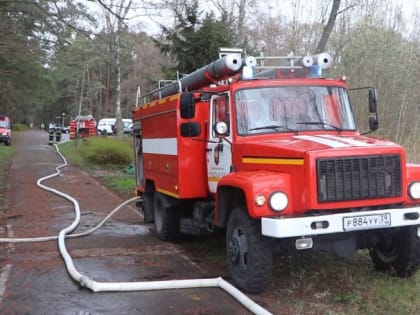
(305, 10)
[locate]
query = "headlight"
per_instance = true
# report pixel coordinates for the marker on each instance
(278, 201)
(221, 128)
(414, 190)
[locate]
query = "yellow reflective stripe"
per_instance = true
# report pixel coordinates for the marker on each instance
(167, 192)
(161, 101)
(278, 161)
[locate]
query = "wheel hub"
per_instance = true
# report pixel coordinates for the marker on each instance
(234, 250)
(389, 250)
(237, 247)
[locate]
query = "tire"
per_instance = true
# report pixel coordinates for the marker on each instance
(398, 253)
(148, 200)
(166, 218)
(249, 254)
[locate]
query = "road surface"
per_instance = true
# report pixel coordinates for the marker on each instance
(33, 278)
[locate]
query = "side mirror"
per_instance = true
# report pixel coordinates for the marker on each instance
(190, 129)
(373, 123)
(373, 109)
(187, 105)
(372, 101)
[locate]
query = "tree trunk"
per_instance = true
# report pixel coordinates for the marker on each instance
(122, 12)
(328, 28)
(118, 122)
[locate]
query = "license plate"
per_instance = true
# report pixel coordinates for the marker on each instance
(361, 222)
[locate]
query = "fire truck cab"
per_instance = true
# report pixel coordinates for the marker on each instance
(276, 159)
(5, 130)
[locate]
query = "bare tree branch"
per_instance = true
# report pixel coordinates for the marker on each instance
(328, 27)
(120, 17)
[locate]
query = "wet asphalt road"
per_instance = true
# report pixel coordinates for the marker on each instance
(33, 278)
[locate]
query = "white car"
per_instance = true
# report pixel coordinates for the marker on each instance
(105, 125)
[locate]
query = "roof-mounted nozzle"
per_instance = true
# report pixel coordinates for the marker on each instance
(248, 69)
(317, 63)
(323, 60)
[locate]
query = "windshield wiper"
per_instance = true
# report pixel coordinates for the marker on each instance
(273, 127)
(323, 123)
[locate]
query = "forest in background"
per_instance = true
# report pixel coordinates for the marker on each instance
(63, 58)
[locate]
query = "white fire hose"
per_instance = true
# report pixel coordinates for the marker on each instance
(95, 286)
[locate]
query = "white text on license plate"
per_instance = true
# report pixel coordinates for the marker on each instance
(366, 221)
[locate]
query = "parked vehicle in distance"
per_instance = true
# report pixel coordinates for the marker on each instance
(105, 125)
(5, 130)
(65, 129)
(128, 128)
(82, 127)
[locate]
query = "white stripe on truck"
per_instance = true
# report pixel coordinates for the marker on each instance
(168, 146)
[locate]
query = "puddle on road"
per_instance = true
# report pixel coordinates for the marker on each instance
(37, 147)
(90, 219)
(121, 228)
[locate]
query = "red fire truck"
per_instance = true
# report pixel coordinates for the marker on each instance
(82, 126)
(5, 130)
(274, 157)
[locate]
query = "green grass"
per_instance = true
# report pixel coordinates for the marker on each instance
(317, 283)
(122, 183)
(105, 158)
(20, 127)
(99, 151)
(6, 155)
(327, 285)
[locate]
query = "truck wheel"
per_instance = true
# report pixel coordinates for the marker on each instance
(148, 201)
(249, 254)
(398, 253)
(166, 218)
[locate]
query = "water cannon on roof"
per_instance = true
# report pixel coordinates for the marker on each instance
(232, 64)
(221, 69)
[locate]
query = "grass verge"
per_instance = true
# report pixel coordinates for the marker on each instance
(318, 283)
(105, 158)
(6, 155)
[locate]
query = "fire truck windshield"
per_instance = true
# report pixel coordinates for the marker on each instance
(292, 108)
(4, 124)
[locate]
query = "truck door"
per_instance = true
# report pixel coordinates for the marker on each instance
(139, 153)
(219, 154)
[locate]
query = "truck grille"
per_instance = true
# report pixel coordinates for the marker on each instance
(351, 178)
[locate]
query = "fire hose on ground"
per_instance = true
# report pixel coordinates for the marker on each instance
(95, 286)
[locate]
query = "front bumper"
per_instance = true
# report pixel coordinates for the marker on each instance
(4, 139)
(336, 223)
